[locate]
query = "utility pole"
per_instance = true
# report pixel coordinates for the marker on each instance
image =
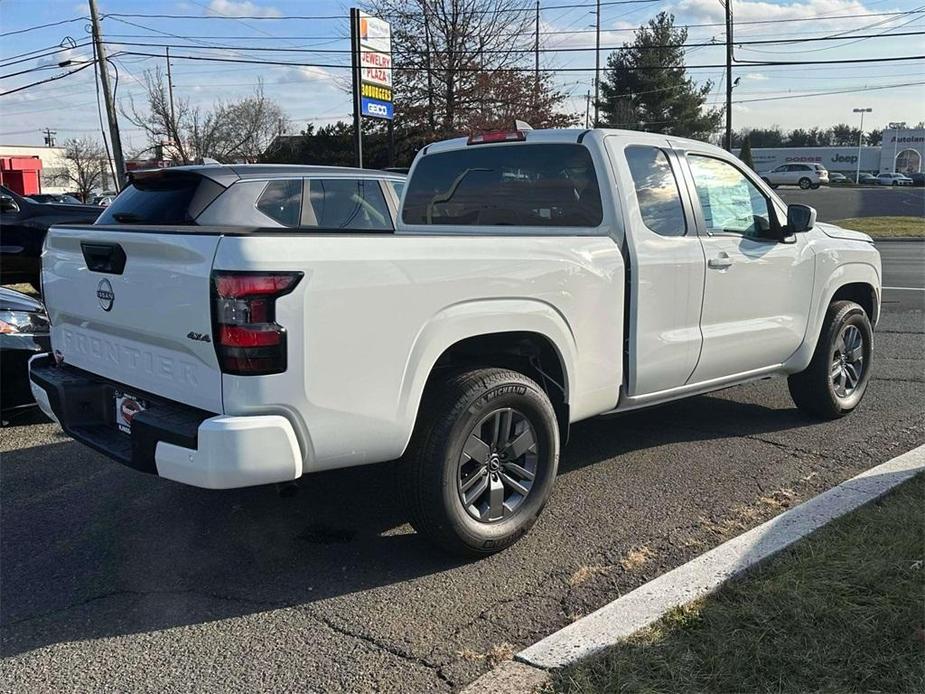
(862, 111)
(597, 63)
(170, 86)
(536, 58)
(49, 137)
(588, 109)
(729, 75)
(357, 82)
(101, 65)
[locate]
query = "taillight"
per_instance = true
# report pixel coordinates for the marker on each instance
(248, 340)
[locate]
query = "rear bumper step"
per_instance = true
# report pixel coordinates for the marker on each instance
(168, 439)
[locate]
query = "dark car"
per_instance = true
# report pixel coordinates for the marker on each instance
(23, 334)
(23, 224)
(48, 197)
(918, 179)
(867, 179)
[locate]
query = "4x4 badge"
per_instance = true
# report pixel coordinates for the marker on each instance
(105, 294)
(199, 337)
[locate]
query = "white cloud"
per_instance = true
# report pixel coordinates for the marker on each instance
(756, 76)
(241, 8)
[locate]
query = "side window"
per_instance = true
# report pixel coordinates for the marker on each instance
(656, 190)
(344, 203)
(398, 187)
(731, 203)
(282, 201)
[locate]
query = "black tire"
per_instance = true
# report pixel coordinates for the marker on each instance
(804, 183)
(814, 390)
(450, 414)
(815, 186)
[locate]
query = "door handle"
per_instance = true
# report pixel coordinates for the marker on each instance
(721, 262)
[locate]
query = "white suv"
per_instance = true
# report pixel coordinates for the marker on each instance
(804, 175)
(893, 179)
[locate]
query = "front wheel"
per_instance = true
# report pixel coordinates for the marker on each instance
(835, 381)
(482, 461)
(805, 183)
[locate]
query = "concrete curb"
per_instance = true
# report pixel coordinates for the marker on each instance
(892, 239)
(699, 577)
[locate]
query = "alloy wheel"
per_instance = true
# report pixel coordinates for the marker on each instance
(847, 366)
(498, 465)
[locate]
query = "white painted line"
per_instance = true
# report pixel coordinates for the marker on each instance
(706, 573)
(906, 289)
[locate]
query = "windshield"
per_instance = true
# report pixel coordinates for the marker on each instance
(544, 185)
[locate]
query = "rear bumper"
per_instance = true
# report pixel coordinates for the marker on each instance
(168, 439)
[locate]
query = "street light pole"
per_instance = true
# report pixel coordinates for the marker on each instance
(862, 111)
(597, 63)
(898, 127)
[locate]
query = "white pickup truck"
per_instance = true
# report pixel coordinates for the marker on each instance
(532, 279)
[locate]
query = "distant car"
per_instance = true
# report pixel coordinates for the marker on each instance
(23, 334)
(866, 179)
(103, 199)
(894, 179)
(918, 179)
(804, 175)
(23, 224)
(60, 199)
(837, 179)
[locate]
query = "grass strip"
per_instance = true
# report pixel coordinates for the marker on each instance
(841, 611)
(913, 227)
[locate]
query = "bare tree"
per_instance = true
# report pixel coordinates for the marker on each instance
(84, 162)
(229, 131)
(464, 63)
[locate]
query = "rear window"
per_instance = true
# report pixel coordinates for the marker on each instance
(542, 185)
(174, 199)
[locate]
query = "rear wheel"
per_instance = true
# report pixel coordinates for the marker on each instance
(805, 183)
(815, 186)
(835, 381)
(482, 461)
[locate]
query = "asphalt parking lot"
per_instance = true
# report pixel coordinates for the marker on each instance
(119, 581)
(832, 202)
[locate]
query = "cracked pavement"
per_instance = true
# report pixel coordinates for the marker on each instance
(119, 581)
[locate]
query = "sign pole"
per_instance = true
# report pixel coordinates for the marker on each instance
(357, 103)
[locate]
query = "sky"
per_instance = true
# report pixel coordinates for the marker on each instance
(318, 95)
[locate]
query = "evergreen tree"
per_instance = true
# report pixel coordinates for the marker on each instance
(745, 154)
(646, 87)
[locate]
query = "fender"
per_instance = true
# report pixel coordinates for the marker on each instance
(472, 319)
(848, 273)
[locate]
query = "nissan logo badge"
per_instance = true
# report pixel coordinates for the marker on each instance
(105, 294)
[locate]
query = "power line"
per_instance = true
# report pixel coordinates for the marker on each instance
(50, 79)
(44, 26)
(573, 49)
(843, 61)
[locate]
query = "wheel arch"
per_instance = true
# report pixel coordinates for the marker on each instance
(855, 281)
(525, 335)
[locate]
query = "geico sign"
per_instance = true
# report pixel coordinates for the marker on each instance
(377, 110)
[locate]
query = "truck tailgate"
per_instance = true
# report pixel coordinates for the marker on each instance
(144, 322)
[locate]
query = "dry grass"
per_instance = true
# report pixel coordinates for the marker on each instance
(841, 611)
(585, 573)
(636, 557)
(495, 655)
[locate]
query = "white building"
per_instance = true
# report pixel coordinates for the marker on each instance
(53, 166)
(901, 150)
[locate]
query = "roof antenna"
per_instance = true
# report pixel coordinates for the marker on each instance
(522, 125)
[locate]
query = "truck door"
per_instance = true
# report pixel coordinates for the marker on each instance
(665, 267)
(758, 289)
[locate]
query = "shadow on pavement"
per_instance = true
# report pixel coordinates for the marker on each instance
(91, 549)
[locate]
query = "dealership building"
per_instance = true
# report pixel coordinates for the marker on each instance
(901, 150)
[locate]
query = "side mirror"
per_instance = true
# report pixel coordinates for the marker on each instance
(800, 218)
(7, 204)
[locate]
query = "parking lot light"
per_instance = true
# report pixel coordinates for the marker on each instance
(857, 173)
